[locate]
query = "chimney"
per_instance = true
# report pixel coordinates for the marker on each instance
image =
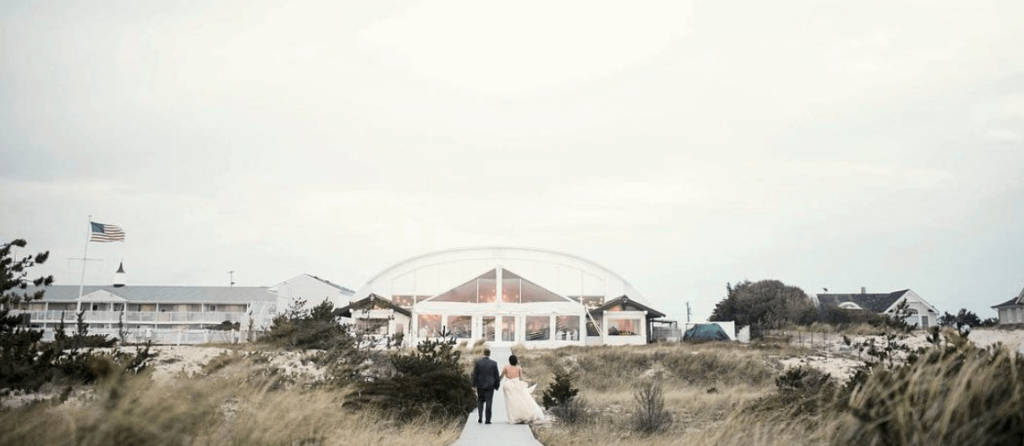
(119, 276)
(863, 290)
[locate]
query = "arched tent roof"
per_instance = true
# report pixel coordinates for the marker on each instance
(410, 275)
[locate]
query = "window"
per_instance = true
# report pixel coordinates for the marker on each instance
(624, 327)
(407, 301)
(487, 290)
(538, 328)
(429, 325)
(593, 301)
(567, 328)
(535, 293)
(481, 289)
(508, 329)
(460, 326)
(511, 288)
(372, 326)
(488, 326)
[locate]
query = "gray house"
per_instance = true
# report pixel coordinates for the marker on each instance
(922, 313)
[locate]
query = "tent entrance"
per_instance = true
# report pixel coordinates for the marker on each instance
(487, 325)
(496, 328)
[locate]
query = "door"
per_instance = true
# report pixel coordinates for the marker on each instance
(508, 329)
(487, 324)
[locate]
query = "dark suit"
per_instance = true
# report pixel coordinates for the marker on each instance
(486, 379)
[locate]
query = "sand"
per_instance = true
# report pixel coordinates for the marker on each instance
(841, 365)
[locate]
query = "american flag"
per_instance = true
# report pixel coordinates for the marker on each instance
(106, 233)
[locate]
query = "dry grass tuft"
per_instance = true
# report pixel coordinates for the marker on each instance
(615, 369)
(229, 407)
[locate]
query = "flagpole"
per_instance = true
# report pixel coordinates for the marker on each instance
(85, 255)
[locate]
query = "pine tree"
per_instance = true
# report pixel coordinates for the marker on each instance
(20, 358)
(559, 392)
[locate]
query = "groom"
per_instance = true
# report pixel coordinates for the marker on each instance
(486, 380)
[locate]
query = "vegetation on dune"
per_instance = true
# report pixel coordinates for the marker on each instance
(950, 392)
(26, 363)
(608, 369)
(428, 382)
(218, 409)
(764, 305)
(768, 305)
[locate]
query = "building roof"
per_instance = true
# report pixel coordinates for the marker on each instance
(627, 302)
(1010, 303)
(346, 311)
(460, 264)
(1019, 300)
(876, 302)
(164, 294)
(328, 282)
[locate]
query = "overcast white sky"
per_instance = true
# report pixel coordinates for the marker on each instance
(682, 144)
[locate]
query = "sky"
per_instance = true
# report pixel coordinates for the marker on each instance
(682, 144)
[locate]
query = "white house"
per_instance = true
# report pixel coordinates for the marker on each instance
(172, 314)
(922, 313)
(311, 289)
(506, 296)
(1012, 311)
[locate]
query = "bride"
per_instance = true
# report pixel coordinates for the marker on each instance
(519, 404)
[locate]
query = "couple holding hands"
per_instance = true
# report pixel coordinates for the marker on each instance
(519, 404)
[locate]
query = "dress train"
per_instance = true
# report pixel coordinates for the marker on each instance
(519, 403)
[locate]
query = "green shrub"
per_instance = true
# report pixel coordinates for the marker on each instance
(298, 329)
(428, 382)
(559, 392)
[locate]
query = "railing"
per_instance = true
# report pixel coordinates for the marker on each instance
(830, 342)
(162, 336)
(134, 317)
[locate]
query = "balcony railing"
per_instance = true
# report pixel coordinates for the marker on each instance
(135, 317)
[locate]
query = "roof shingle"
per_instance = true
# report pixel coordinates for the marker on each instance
(877, 302)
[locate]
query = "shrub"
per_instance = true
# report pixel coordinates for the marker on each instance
(574, 411)
(300, 329)
(427, 382)
(650, 415)
(82, 339)
(559, 392)
(799, 391)
(562, 399)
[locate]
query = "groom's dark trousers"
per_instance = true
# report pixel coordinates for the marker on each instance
(484, 397)
(486, 379)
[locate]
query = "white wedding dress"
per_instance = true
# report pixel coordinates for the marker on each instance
(519, 403)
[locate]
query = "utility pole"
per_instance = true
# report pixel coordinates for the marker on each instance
(688, 313)
(231, 278)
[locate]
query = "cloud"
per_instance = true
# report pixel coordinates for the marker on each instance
(1004, 135)
(509, 49)
(685, 144)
